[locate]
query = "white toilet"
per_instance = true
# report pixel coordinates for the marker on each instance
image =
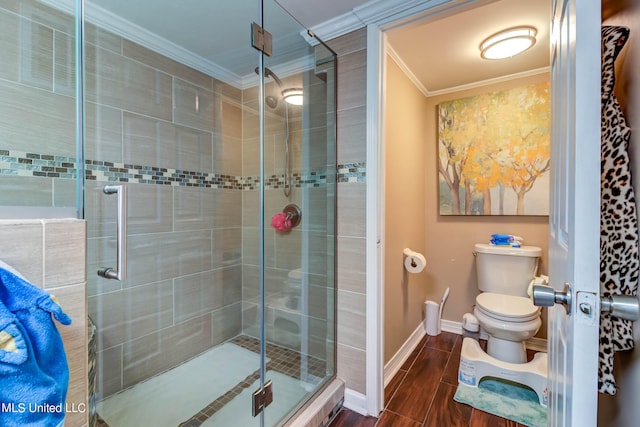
(503, 308)
(508, 317)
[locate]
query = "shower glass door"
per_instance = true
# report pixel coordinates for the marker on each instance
(164, 118)
(297, 200)
(186, 123)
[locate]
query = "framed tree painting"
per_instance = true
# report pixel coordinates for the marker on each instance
(493, 153)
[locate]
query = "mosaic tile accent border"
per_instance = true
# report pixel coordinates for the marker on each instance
(352, 172)
(19, 163)
(110, 172)
(122, 172)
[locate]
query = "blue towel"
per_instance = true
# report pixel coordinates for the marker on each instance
(501, 239)
(34, 375)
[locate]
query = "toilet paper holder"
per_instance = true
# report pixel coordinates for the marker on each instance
(414, 262)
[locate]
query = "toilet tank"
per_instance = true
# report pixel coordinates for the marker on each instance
(506, 270)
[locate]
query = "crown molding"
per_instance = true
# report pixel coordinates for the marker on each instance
(116, 24)
(124, 28)
(412, 77)
(405, 69)
(373, 12)
(500, 79)
(335, 27)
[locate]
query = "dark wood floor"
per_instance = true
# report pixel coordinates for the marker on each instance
(421, 393)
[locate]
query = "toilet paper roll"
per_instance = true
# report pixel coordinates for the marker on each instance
(414, 262)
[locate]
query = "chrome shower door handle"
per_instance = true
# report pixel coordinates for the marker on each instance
(120, 272)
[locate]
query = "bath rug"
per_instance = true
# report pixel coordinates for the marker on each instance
(508, 400)
(174, 396)
(287, 392)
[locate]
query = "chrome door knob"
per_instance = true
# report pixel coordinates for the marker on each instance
(621, 306)
(545, 296)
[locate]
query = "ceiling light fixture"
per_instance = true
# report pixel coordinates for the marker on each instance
(508, 43)
(293, 96)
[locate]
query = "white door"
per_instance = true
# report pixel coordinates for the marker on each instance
(575, 212)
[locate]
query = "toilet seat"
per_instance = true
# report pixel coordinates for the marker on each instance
(507, 308)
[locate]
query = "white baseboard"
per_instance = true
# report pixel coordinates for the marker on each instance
(355, 401)
(451, 326)
(398, 359)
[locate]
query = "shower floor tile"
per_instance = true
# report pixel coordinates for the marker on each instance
(282, 360)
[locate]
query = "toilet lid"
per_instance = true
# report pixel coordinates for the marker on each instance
(507, 306)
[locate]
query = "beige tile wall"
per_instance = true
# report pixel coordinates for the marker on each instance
(310, 245)
(58, 266)
(184, 247)
(190, 249)
(351, 280)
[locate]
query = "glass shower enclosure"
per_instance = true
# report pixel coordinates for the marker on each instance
(208, 191)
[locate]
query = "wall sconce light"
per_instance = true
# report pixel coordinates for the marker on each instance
(508, 43)
(293, 96)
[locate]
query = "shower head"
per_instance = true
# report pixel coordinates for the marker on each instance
(291, 96)
(269, 73)
(271, 101)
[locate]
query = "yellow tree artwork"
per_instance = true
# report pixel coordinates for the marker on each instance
(493, 153)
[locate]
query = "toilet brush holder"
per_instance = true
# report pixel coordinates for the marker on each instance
(432, 318)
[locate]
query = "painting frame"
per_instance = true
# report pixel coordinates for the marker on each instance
(494, 152)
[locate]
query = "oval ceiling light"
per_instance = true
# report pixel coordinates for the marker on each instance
(293, 96)
(508, 43)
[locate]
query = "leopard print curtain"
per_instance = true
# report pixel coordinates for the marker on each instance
(619, 261)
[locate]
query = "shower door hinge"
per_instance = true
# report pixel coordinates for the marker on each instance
(261, 39)
(262, 398)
